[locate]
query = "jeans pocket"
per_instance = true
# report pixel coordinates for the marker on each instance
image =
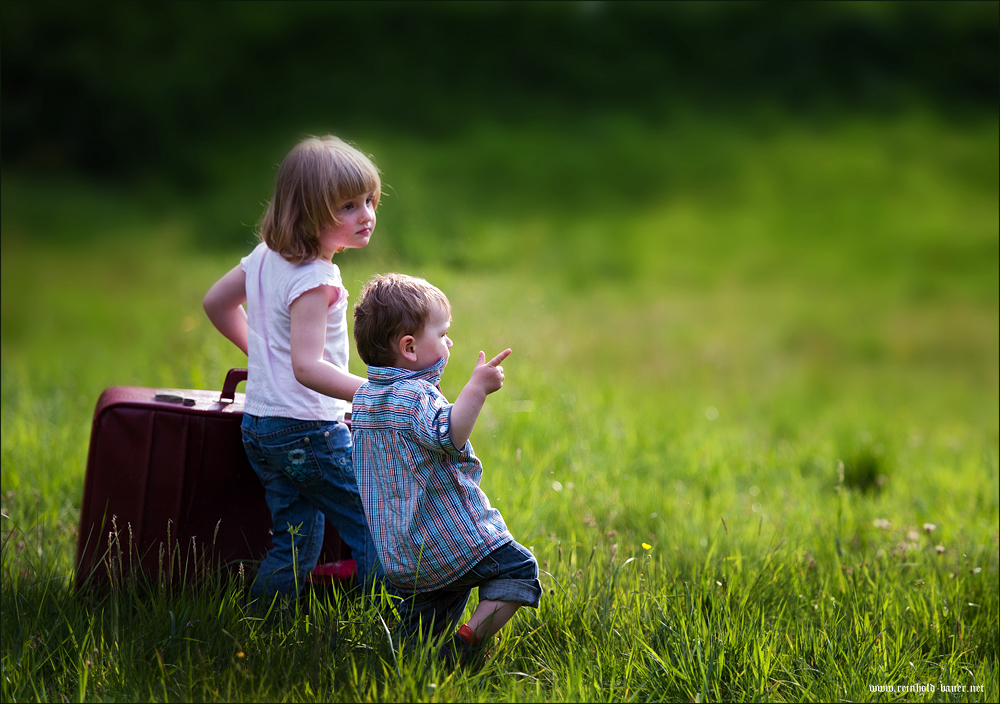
(338, 437)
(257, 461)
(487, 568)
(295, 459)
(338, 450)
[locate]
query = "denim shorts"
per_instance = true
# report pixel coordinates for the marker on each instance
(307, 472)
(509, 573)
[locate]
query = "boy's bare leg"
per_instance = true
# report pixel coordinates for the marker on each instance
(490, 616)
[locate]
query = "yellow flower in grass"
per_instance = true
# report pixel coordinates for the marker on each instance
(647, 546)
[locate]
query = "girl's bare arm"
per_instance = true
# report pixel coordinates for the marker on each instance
(224, 306)
(308, 342)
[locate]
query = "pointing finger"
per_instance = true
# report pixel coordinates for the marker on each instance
(499, 358)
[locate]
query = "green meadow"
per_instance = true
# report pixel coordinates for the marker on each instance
(749, 425)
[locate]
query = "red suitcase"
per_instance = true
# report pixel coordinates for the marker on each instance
(169, 489)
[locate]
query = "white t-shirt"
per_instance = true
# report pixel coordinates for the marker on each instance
(272, 284)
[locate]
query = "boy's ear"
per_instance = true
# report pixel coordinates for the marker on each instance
(406, 348)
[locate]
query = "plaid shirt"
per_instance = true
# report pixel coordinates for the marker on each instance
(430, 520)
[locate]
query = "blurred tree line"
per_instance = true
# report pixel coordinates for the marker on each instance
(109, 87)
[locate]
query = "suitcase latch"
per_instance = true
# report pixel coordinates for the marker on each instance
(173, 398)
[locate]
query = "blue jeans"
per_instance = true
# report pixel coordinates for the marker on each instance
(305, 467)
(509, 573)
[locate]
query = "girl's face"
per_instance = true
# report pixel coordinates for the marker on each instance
(357, 222)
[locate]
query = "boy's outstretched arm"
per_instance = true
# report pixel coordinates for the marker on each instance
(487, 377)
(224, 306)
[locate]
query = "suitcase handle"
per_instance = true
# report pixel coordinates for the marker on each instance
(233, 379)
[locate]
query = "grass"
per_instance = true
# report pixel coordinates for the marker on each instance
(749, 428)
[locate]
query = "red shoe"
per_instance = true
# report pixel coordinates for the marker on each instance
(458, 650)
(333, 572)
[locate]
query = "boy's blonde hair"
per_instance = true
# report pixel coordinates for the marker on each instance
(391, 306)
(316, 177)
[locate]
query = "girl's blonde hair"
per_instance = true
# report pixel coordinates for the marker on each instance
(316, 177)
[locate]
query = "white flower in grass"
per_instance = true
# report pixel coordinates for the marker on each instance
(929, 527)
(882, 523)
(939, 549)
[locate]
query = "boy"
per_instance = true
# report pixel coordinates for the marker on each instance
(433, 527)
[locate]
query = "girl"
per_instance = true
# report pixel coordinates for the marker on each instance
(294, 331)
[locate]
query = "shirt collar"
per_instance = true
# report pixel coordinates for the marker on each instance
(383, 376)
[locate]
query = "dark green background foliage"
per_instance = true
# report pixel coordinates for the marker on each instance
(486, 111)
(115, 87)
